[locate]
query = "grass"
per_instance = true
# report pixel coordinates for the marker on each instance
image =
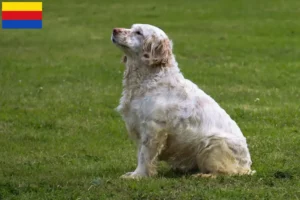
(62, 139)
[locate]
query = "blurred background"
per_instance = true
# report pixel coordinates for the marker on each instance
(60, 137)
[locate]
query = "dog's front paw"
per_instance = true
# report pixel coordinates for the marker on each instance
(133, 175)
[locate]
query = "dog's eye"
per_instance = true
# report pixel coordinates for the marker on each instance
(138, 33)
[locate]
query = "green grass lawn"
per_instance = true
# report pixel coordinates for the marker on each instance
(60, 137)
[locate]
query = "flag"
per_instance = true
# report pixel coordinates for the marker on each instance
(22, 15)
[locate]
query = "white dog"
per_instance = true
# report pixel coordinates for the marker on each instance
(170, 118)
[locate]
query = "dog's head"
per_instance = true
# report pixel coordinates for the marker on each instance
(144, 42)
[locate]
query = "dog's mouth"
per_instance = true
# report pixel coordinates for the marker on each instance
(114, 40)
(117, 43)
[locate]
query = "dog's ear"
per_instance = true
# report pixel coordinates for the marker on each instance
(124, 59)
(157, 53)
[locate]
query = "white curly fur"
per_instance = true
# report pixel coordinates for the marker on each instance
(169, 117)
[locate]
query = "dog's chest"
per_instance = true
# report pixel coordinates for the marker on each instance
(132, 111)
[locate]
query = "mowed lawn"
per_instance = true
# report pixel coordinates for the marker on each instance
(60, 137)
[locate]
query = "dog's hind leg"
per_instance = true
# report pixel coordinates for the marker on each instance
(217, 158)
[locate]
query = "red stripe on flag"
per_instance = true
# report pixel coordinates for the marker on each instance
(21, 15)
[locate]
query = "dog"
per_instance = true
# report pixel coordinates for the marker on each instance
(168, 116)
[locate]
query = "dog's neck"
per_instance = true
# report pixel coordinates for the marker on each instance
(135, 73)
(138, 74)
(139, 78)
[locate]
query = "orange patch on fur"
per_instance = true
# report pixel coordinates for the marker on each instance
(158, 52)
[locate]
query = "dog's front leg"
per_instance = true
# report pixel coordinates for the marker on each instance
(146, 162)
(151, 143)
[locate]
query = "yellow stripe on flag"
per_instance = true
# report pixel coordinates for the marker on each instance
(22, 6)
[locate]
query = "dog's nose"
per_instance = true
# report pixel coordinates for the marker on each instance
(116, 31)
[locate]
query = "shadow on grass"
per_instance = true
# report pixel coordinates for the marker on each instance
(171, 173)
